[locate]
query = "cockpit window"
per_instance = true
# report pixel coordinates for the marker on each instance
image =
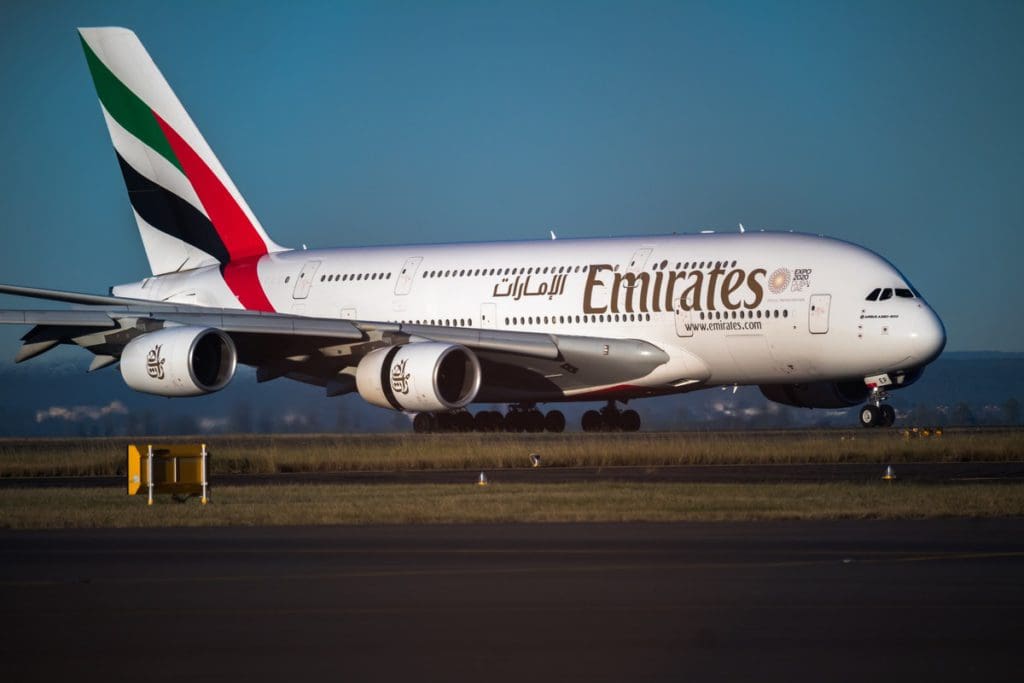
(873, 296)
(886, 294)
(904, 294)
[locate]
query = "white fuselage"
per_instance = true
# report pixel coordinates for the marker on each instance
(753, 308)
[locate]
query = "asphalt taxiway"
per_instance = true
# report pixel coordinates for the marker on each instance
(848, 600)
(932, 473)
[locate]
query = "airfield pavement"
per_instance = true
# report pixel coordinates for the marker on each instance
(857, 600)
(935, 472)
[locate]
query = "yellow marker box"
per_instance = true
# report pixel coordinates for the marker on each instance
(178, 469)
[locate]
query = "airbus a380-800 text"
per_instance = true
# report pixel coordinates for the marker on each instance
(431, 329)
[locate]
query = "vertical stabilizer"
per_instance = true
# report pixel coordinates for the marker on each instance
(189, 212)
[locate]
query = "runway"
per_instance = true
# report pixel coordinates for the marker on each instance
(932, 473)
(850, 600)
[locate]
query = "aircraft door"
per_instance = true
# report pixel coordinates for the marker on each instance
(817, 315)
(488, 316)
(305, 280)
(404, 284)
(639, 260)
(684, 321)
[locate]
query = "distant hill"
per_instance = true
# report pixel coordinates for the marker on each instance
(59, 398)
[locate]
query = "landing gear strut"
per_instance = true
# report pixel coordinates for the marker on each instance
(611, 419)
(876, 413)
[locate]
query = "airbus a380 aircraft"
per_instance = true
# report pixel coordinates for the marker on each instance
(431, 329)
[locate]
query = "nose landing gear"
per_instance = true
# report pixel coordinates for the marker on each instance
(876, 413)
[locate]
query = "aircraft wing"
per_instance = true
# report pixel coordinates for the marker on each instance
(319, 350)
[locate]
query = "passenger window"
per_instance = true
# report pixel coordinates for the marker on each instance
(886, 294)
(873, 296)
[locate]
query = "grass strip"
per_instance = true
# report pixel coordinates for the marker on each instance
(391, 452)
(496, 503)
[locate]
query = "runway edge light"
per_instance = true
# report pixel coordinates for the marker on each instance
(889, 474)
(482, 480)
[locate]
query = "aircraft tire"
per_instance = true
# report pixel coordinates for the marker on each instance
(629, 421)
(534, 421)
(870, 416)
(463, 421)
(423, 423)
(554, 421)
(592, 421)
(888, 416)
(483, 421)
(514, 421)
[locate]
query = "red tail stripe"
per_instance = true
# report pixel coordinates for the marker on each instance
(243, 279)
(235, 229)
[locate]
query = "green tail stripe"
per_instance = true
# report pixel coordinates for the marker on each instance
(132, 113)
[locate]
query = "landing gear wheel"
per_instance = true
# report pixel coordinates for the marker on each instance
(554, 421)
(888, 415)
(870, 416)
(611, 418)
(424, 423)
(591, 421)
(462, 421)
(629, 421)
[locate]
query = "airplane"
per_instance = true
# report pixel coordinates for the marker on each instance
(430, 329)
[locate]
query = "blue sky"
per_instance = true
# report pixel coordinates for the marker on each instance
(896, 125)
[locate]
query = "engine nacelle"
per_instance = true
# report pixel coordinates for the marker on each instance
(419, 377)
(179, 361)
(817, 394)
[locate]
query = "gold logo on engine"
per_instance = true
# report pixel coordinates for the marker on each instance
(400, 378)
(154, 363)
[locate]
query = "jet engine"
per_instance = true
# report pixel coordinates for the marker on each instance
(419, 377)
(817, 394)
(179, 361)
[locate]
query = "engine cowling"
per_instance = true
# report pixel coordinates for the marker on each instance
(817, 394)
(179, 361)
(419, 377)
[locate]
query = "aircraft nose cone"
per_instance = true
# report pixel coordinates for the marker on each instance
(929, 337)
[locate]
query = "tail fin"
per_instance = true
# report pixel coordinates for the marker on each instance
(189, 212)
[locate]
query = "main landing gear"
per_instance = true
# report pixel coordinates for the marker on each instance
(611, 419)
(520, 418)
(526, 418)
(876, 413)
